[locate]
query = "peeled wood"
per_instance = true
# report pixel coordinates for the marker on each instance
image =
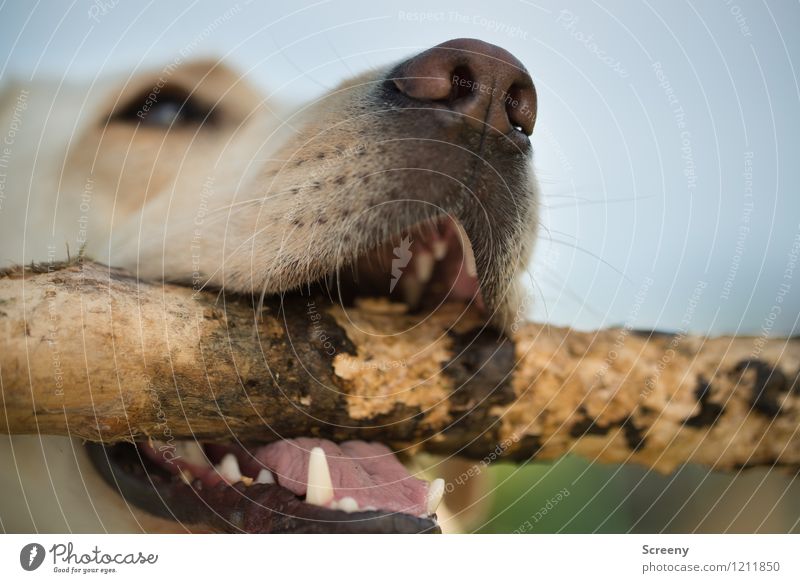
(90, 352)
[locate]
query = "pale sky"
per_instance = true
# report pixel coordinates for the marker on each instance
(667, 138)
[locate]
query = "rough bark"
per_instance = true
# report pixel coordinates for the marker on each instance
(90, 352)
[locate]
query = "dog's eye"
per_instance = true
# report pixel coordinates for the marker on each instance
(166, 108)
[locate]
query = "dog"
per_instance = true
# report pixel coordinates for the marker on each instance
(413, 182)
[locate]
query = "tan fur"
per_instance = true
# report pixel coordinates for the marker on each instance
(265, 200)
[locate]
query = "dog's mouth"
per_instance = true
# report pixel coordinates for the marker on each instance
(309, 485)
(422, 267)
(304, 485)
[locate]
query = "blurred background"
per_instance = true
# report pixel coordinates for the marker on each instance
(667, 147)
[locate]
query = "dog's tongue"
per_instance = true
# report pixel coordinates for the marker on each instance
(369, 473)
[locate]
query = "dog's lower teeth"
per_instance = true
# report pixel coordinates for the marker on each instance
(347, 504)
(415, 497)
(435, 495)
(228, 468)
(319, 488)
(265, 477)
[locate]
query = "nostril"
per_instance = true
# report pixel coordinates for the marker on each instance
(424, 84)
(463, 83)
(520, 105)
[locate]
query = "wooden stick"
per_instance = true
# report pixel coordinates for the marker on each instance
(90, 352)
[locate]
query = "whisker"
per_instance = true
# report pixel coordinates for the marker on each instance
(595, 256)
(571, 293)
(581, 202)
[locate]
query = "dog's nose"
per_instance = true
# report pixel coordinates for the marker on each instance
(481, 81)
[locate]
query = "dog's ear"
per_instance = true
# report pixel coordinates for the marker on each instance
(183, 95)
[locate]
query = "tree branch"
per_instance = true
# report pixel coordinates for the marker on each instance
(90, 352)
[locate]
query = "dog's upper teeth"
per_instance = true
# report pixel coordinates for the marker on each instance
(186, 476)
(439, 248)
(346, 504)
(191, 452)
(265, 477)
(228, 468)
(319, 489)
(412, 291)
(466, 251)
(424, 263)
(469, 262)
(435, 494)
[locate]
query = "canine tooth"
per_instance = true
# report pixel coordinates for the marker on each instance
(347, 504)
(192, 452)
(469, 260)
(319, 490)
(467, 252)
(435, 494)
(265, 477)
(228, 468)
(439, 248)
(424, 263)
